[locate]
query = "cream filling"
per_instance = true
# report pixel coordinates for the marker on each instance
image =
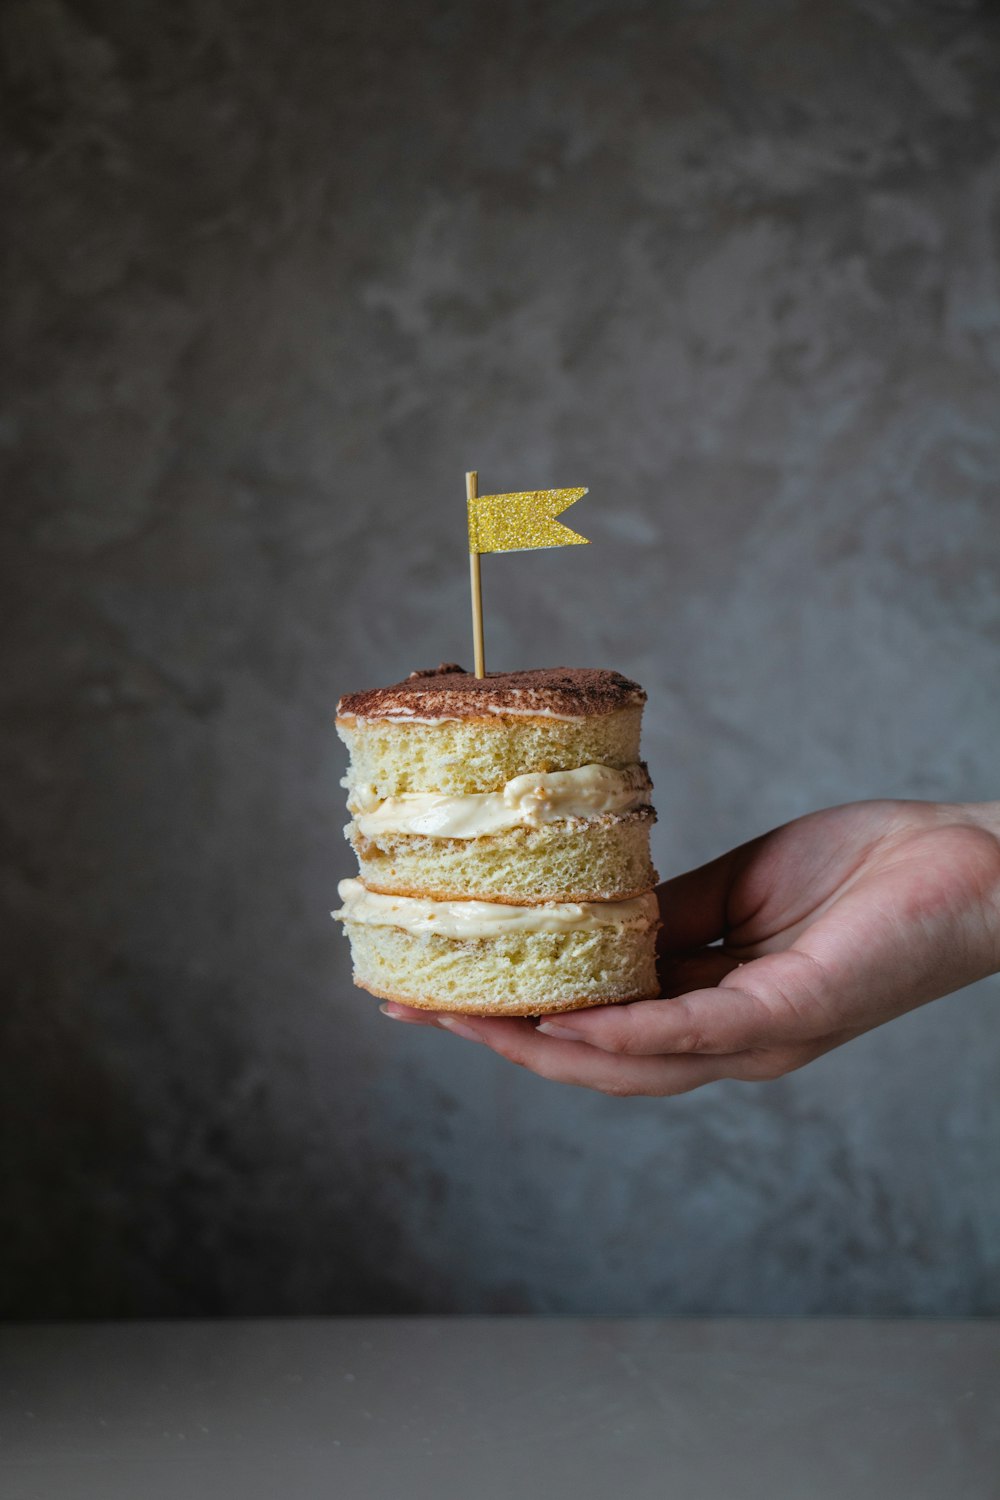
(526, 802)
(487, 919)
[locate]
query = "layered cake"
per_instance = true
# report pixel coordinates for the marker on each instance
(501, 826)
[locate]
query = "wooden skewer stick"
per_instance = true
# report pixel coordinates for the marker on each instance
(476, 580)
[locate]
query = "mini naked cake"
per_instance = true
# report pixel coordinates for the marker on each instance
(501, 826)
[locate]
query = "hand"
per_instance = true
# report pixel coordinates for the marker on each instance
(828, 927)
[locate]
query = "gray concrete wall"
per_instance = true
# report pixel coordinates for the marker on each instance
(278, 275)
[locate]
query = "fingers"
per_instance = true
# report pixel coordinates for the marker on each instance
(577, 1063)
(710, 1021)
(408, 1014)
(763, 1047)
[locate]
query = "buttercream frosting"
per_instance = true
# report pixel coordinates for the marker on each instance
(488, 919)
(527, 801)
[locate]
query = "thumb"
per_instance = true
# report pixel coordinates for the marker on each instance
(694, 906)
(771, 1001)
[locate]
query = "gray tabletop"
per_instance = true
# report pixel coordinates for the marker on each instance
(501, 1407)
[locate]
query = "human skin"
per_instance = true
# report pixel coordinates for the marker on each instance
(782, 949)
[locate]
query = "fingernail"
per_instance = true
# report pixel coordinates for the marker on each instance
(394, 1015)
(458, 1027)
(553, 1028)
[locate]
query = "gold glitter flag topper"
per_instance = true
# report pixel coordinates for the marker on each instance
(521, 522)
(511, 523)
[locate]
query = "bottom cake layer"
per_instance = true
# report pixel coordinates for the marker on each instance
(516, 974)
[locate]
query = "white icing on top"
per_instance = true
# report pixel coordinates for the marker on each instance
(486, 919)
(400, 713)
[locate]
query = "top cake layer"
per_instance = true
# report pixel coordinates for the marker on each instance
(449, 693)
(392, 757)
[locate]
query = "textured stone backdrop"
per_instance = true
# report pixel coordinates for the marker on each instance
(277, 275)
